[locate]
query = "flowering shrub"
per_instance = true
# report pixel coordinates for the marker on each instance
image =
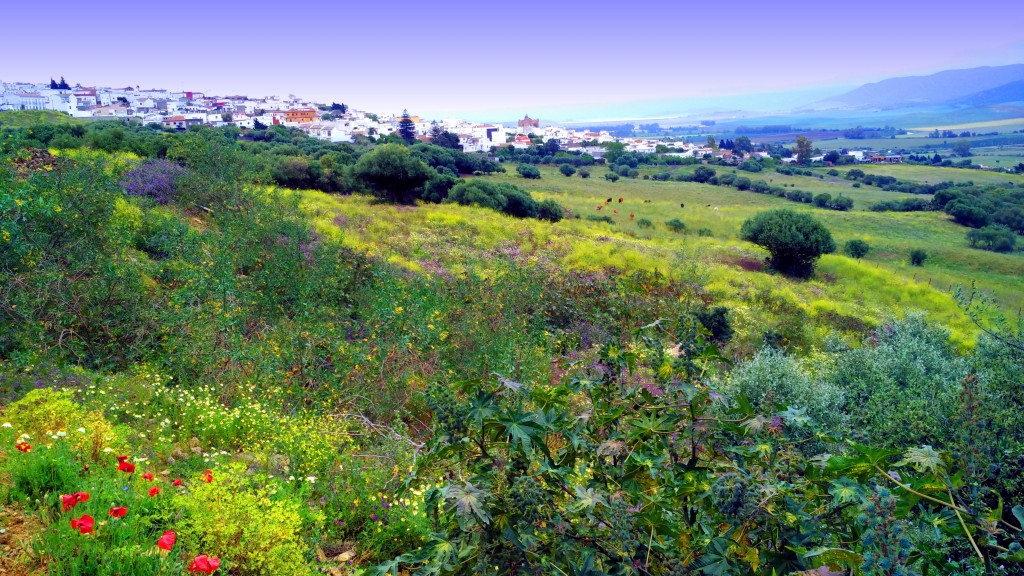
(154, 179)
(247, 520)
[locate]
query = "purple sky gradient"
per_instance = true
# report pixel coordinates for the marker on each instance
(480, 58)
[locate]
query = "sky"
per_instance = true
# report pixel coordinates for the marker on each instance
(498, 60)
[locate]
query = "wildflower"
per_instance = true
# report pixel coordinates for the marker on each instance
(177, 482)
(204, 564)
(311, 479)
(117, 512)
(6, 425)
(81, 430)
(166, 542)
(154, 491)
(147, 476)
(124, 465)
(208, 476)
(23, 447)
(83, 525)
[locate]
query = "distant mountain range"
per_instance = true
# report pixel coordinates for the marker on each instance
(984, 86)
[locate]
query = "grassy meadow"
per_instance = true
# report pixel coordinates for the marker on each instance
(844, 293)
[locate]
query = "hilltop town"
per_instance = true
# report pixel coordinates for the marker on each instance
(181, 109)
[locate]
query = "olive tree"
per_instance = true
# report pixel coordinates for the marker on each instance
(794, 240)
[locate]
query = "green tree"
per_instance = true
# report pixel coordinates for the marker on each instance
(917, 257)
(794, 240)
(962, 148)
(803, 150)
(566, 170)
(407, 128)
(392, 173)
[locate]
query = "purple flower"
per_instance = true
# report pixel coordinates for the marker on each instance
(155, 179)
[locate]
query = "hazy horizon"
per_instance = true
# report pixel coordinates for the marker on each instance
(574, 61)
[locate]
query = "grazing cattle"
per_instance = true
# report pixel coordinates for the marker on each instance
(620, 199)
(608, 201)
(599, 206)
(716, 208)
(682, 205)
(616, 211)
(707, 205)
(630, 215)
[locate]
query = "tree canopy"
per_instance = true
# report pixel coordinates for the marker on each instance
(794, 240)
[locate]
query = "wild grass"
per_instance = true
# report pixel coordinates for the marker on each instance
(845, 294)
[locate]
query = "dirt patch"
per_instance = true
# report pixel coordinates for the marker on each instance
(748, 263)
(18, 531)
(34, 161)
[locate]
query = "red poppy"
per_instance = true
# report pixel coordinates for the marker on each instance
(83, 524)
(153, 491)
(208, 476)
(147, 476)
(204, 564)
(23, 447)
(69, 501)
(177, 482)
(118, 512)
(124, 465)
(166, 542)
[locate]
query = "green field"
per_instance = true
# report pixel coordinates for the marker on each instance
(933, 175)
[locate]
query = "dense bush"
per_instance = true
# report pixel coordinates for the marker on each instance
(856, 248)
(550, 210)
(153, 179)
(917, 257)
(794, 240)
(505, 198)
(566, 170)
(527, 171)
(676, 225)
(993, 237)
(611, 177)
(392, 173)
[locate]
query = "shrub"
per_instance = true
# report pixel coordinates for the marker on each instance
(519, 203)
(750, 166)
(833, 172)
(773, 381)
(993, 237)
(527, 171)
(842, 203)
(705, 233)
(596, 218)
(676, 225)
(742, 183)
(902, 385)
(918, 256)
(702, 174)
(241, 520)
(794, 240)
(856, 248)
(392, 173)
(716, 320)
(154, 179)
(823, 200)
(644, 223)
(479, 193)
(583, 173)
(566, 170)
(611, 177)
(550, 210)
